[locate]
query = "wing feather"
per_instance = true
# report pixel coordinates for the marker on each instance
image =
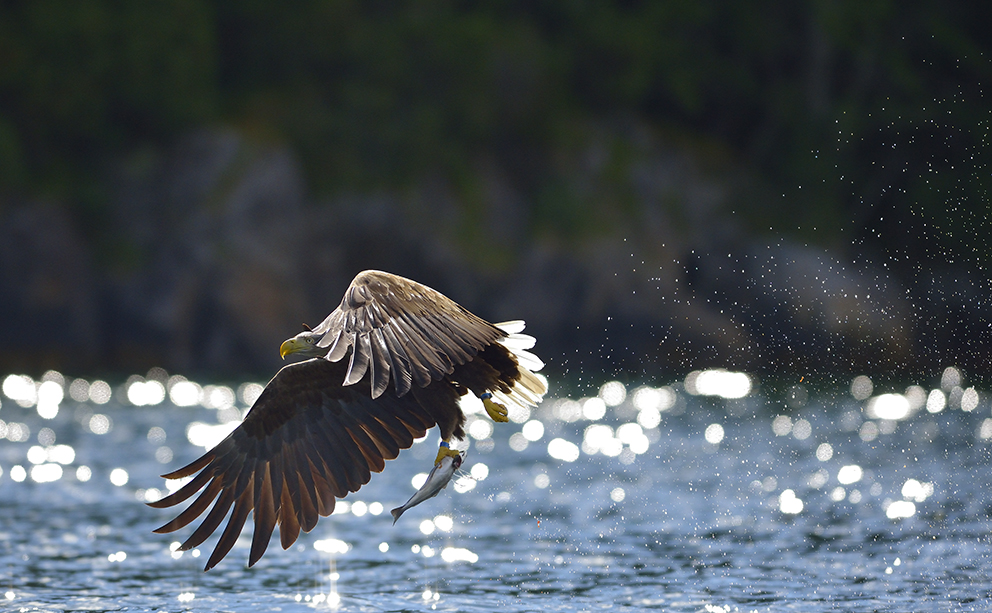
(277, 473)
(190, 468)
(413, 347)
(306, 440)
(368, 449)
(432, 332)
(348, 458)
(339, 346)
(323, 486)
(381, 362)
(289, 528)
(233, 529)
(360, 356)
(212, 520)
(194, 510)
(183, 493)
(334, 462)
(419, 333)
(291, 482)
(402, 366)
(441, 332)
(265, 513)
(307, 511)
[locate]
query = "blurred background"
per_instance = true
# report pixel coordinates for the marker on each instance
(795, 188)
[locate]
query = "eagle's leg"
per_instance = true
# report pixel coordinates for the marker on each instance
(496, 411)
(445, 451)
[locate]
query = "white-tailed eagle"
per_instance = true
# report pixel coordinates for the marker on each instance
(323, 425)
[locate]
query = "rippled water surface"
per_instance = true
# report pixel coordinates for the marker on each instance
(651, 498)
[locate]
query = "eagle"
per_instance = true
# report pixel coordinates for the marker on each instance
(322, 425)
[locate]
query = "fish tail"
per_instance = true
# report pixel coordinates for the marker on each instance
(396, 514)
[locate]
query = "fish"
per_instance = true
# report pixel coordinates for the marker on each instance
(436, 481)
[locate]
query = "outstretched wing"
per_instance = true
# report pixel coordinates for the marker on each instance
(397, 325)
(305, 441)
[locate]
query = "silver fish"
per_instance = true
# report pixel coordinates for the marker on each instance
(436, 481)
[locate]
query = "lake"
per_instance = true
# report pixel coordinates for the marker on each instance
(712, 493)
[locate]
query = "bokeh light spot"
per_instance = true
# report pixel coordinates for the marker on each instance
(714, 434)
(560, 449)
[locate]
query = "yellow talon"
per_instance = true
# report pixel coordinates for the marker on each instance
(496, 411)
(443, 452)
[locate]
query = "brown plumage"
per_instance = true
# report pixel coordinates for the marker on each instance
(322, 426)
(393, 324)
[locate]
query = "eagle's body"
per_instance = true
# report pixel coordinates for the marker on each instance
(323, 425)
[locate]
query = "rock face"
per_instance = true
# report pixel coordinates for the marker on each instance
(48, 291)
(225, 257)
(217, 229)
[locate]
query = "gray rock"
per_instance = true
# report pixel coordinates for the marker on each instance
(49, 305)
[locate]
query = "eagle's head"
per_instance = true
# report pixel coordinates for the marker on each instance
(304, 344)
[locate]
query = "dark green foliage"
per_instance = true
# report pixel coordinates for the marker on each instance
(831, 103)
(83, 80)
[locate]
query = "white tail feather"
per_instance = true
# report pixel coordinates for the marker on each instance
(517, 341)
(529, 390)
(528, 360)
(518, 344)
(533, 383)
(511, 327)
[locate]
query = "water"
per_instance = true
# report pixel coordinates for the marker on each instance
(706, 504)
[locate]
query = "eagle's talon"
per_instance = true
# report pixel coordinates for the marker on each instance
(496, 411)
(444, 452)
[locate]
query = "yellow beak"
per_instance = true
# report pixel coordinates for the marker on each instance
(287, 348)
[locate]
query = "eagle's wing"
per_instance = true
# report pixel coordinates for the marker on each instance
(305, 441)
(398, 325)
